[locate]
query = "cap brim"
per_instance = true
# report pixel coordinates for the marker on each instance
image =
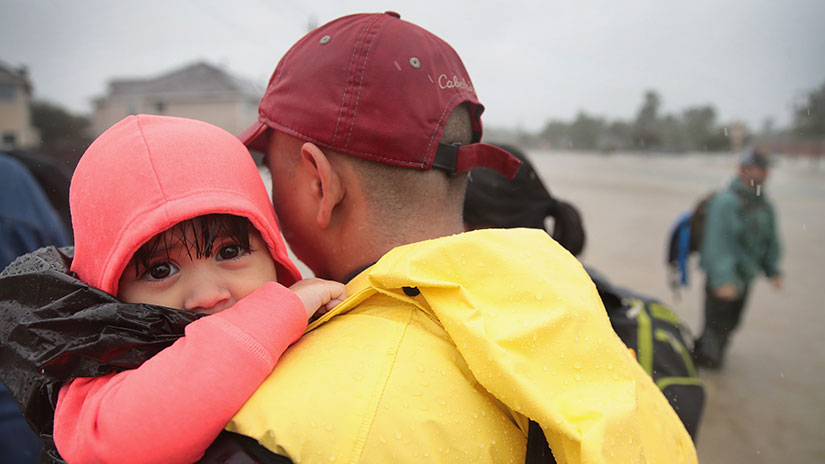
(254, 137)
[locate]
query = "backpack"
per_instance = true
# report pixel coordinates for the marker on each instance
(685, 239)
(662, 344)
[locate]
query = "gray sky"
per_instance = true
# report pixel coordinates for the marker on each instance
(529, 61)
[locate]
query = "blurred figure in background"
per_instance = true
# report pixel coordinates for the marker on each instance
(53, 180)
(493, 201)
(27, 222)
(740, 239)
(653, 331)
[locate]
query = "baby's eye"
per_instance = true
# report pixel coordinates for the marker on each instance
(160, 271)
(231, 251)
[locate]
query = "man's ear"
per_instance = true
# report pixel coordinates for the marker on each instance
(327, 188)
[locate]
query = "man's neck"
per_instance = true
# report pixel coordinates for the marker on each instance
(363, 250)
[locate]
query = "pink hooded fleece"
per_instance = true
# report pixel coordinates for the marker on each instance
(147, 173)
(142, 176)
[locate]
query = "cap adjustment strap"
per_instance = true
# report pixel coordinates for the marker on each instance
(456, 158)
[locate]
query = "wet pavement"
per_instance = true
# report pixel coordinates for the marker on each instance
(767, 403)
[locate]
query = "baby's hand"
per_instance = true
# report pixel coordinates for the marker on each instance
(319, 294)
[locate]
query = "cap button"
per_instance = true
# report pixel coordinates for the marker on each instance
(393, 14)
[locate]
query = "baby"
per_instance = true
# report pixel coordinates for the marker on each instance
(173, 212)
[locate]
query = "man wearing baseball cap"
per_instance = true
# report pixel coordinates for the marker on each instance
(453, 346)
(740, 240)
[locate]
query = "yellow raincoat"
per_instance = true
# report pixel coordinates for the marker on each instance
(504, 325)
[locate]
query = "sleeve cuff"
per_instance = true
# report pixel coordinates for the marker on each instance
(272, 315)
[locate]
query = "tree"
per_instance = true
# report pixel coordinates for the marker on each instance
(648, 114)
(646, 133)
(63, 135)
(673, 134)
(809, 116)
(585, 131)
(701, 129)
(556, 134)
(619, 135)
(699, 122)
(718, 140)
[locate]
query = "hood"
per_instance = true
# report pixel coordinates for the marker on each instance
(528, 320)
(147, 173)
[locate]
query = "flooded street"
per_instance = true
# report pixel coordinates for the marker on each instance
(767, 404)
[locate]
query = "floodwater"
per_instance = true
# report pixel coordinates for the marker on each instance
(767, 404)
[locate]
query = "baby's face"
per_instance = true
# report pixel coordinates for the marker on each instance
(181, 280)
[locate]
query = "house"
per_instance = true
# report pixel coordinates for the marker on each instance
(199, 91)
(16, 130)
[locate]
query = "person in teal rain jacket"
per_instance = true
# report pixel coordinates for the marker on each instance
(740, 240)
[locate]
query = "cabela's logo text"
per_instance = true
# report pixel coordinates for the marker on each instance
(455, 83)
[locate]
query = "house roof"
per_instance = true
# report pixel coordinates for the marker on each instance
(199, 77)
(14, 75)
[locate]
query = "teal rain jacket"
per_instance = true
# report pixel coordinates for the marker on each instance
(740, 237)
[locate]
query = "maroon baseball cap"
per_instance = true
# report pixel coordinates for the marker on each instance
(379, 88)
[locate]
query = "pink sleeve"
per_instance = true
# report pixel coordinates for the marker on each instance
(174, 405)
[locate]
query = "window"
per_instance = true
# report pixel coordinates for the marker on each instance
(7, 92)
(9, 140)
